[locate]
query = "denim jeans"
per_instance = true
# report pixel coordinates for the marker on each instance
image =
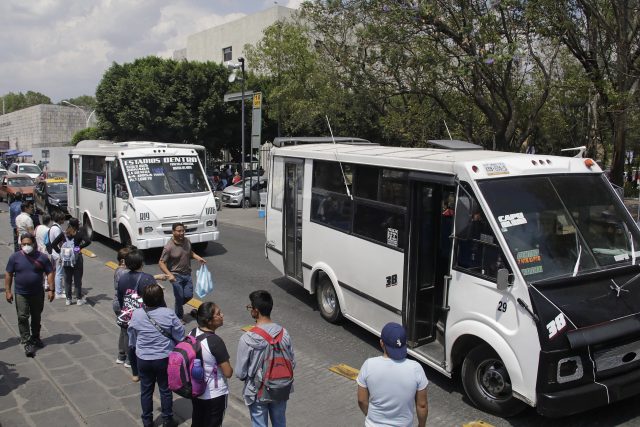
(182, 292)
(152, 372)
(59, 279)
(133, 361)
(261, 412)
(29, 306)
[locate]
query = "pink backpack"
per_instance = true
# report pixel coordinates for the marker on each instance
(181, 361)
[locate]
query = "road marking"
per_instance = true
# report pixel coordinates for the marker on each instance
(88, 253)
(477, 424)
(111, 264)
(247, 328)
(345, 370)
(195, 303)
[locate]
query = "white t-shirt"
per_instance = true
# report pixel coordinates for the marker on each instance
(209, 360)
(41, 232)
(392, 386)
(54, 231)
(23, 223)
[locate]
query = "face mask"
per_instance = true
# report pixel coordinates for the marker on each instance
(27, 249)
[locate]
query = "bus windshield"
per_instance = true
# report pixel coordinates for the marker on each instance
(154, 176)
(562, 225)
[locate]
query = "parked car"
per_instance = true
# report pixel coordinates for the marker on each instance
(25, 168)
(3, 172)
(232, 195)
(11, 184)
(48, 174)
(51, 195)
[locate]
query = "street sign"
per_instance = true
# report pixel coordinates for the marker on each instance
(237, 96)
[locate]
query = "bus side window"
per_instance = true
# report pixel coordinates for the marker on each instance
(476, 247)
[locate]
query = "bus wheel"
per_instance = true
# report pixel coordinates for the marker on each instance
(487, 383)
(125, 239)
(328, 301)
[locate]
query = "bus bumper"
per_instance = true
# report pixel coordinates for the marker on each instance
(193, 238)
(588, 396)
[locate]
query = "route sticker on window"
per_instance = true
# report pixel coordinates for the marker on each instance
(511, 220)
(496, 169)
(528, 257)
(531, 270)
(392, 237)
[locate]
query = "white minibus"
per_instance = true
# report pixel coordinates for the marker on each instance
(132, 192)
(518, 272)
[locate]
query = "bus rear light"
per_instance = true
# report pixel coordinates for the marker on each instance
(589, 163)
(209, 223)
(148, 229)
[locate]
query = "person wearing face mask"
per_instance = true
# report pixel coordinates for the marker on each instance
(26, 268)
(69, 245)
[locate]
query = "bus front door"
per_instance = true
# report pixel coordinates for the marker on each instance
(292, 213)
(427, 260)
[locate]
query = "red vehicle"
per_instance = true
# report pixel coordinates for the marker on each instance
(11, 184)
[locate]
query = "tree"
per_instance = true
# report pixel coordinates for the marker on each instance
(82, 101)
(604, 36)
(479, 62)
(166, 100)
(87, 133)
(18, 101)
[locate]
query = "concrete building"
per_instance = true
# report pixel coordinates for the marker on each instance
(226, 42)
(41, 126)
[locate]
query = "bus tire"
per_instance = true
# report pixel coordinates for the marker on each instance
(328, 303)
(125, 239)
(487, 383)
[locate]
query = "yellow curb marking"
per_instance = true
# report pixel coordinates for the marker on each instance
(345, 370)
(195, 303)
(477, 424)
(247, 328)
(88, 253)
(111, 264)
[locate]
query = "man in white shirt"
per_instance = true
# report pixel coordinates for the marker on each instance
(24, 223)
(391, 387)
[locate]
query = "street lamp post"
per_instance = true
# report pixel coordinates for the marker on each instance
(232, 78)
(86, 118)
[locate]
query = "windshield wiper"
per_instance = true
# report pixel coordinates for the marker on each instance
(577, 266)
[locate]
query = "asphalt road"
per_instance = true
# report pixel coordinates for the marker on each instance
(322, 398)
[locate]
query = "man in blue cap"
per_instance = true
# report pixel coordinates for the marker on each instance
(391, 387)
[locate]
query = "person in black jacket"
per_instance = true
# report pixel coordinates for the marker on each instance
(68, 245)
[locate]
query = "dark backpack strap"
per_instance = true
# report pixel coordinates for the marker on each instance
(158, 327)
(35, 262)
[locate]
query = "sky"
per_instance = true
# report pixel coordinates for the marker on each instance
(61, 48)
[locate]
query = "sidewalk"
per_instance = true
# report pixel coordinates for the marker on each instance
(74, 380)
(247, 218)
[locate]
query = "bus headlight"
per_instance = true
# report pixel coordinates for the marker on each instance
(209, 223)
(148, 229)
(569, 369)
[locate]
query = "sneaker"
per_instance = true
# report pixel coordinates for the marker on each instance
(81, 301)
(120, 361)
(61, 296)
(127, 364)
(29, 350)
(135, 378)
(68, 302)
(37, 342)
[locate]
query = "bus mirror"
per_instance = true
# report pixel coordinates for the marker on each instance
(124, 195)
(503, 279)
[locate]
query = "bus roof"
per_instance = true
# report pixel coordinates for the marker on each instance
(477, 164)
(129, 147)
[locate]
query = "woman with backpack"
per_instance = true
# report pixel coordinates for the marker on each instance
(209, 407)
(68, 245)
(153, 331)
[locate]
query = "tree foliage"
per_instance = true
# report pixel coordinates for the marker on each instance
(82, 101)
(17, 101)
(87, 133)
(169, 101)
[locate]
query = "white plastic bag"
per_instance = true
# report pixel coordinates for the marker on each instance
(204, 281)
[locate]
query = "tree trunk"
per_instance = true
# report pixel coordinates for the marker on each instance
(619, 137)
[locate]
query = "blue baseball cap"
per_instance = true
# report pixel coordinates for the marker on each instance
(394, 338)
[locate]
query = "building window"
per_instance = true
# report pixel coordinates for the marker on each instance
(226, 54)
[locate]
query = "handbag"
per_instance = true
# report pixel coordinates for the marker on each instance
(204, 281)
